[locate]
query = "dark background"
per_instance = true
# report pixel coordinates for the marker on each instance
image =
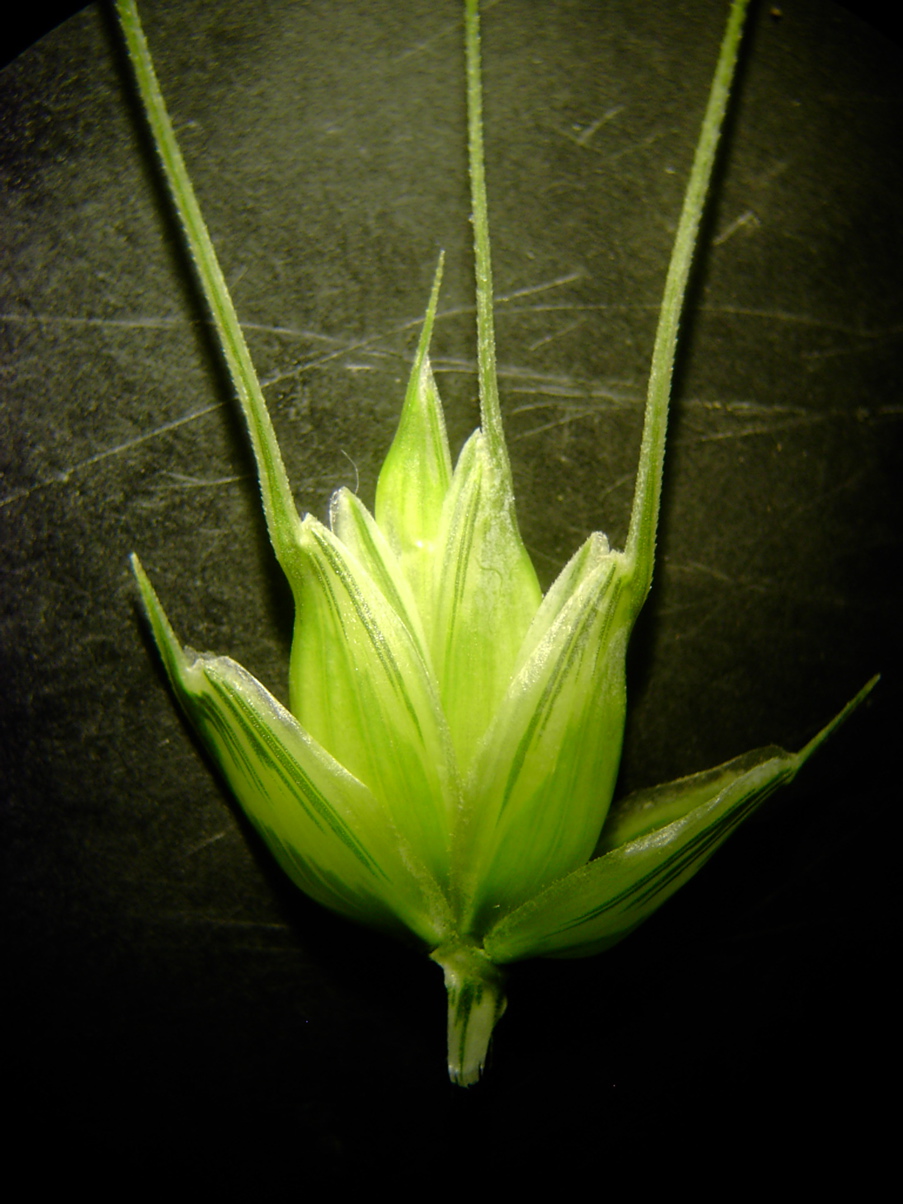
(34, 20)
(174, 1000)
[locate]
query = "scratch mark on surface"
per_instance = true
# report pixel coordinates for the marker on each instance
(747, 218)
(122, 323)
(427, 45)
(62, 477)
(636, 147)
(369, 341)
(203, 844)
(610, 115)
(581, 136)
(565, 420)
(203, 483)
(518, 380)
(449, 30)
(556, 334)
(560, 389)
(531, 289)
(779, 315)
(342, 346)
(173, 323)
(772, 427)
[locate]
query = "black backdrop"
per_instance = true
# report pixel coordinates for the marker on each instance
(172, 996)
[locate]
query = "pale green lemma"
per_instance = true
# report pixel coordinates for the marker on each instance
(448, 760)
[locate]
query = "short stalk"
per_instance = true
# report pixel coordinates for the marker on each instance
(476, 1000)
